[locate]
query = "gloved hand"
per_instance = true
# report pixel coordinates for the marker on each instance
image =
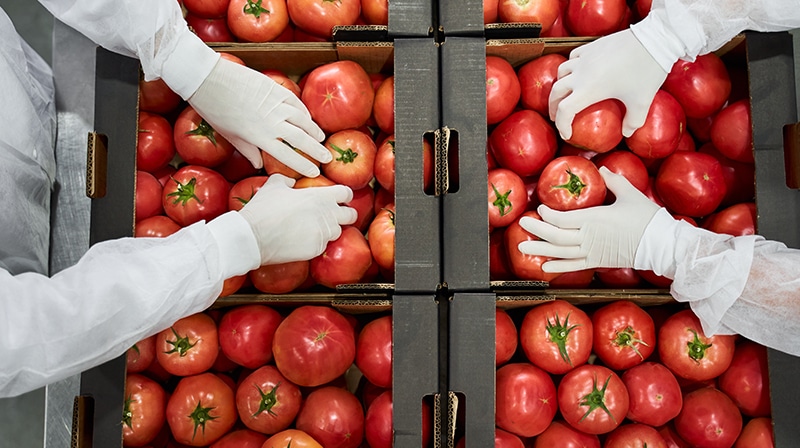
(614, 66)
(296, 224)
(604, 236)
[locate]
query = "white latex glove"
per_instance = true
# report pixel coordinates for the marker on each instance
(604, 236)
(296, 224)
(613, 66)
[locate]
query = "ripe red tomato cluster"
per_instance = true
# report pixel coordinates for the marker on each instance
(279, 20)
(616, 374)
(256, 376)
(693, 155)
(188, 172)
(566, 18)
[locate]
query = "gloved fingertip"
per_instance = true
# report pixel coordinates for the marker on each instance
(286, 180)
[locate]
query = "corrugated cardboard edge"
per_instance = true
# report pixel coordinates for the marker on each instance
(791, 154)
(96, 165)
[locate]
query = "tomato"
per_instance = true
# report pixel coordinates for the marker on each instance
(384, 164)
(490, 13)
(237, 167)
(195, 193)
(197, 142)
(746, 381)
(201, 409)
(702, 87)
(246, 333)
(155, 96)
(155, 147)
(318, 17)
(740, 179)
(709, 419)
(374, 351)
(523, 266)
(524, 143)
(380, 237)
(525, 399)
(736, 220)
(241, 438)
(502, 89)
(143, 412)
(345, 259)
(595, 17)
(757, 432)
(542, 12)
(353, 163)
(333, 416)
(634, 435)
(662, 129)
(499, 264)
(556, 336)
(266, 401)
(241, 192)
(257, 20)
(378, 421)
(148, 196)
(626, 164)
(383, 105)
(598, 127)
(592, 399)
(507, 197)
(570, 183)
(671, 436)
(536, 79)
(691, 183)
(561, 435)
(732, 131)
(283, 80)
(339, 95)
(623, 334)
(139, 357)
(506, 340)
(688, 352)
(375, 12)
(189, 346)
(574, 279)
(206, 8)
(291, 438)
(280, 278)
(231, 57)
(275, 166)
(618, 277)
(654, 394)
(210, 29)
(314, 345)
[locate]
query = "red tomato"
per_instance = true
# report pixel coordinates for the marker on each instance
(507, 197)
(374, 351)
(732, 131)
(291, 438)
(490, 13)
(257, 20)
(556, 336)
(383, 105)
(502, 89)
(139, 357)
(536, 79)
(525, 399)
(570, 183)
(201, 410)
(499, 264)
(339, 95)
(378, 421)
(155, 147)
(195, 193)
(618, 277)
(210, 29)
(380, 237)
(688, 352)
(662, 130)
(736, 220)
(314, 345)
(598, 127)
(189, 346)
(197, 142)
(143, 413)
(626, 164)
(671, 436)
(333, 416)
(318, 17)
(654, 394)
(574, 279)
(237, 167)
(542, 12)
(280, 278)
(155, 96)
(595, 17)
(524, 143)
(363, 203)
(232, 285)
(246, 333)
(634, 435)
(206, 8)
(283, 80)
(592, 399)
(244, 190)
(148, 196)
(506, 340)
(701, 87)
(353, 163)
(375, 12)
(231, 57)
(523, 266)
(345, 259)
(709, 419)
(740, 179)
(624, 334)
(691, 183)
(241, 438)
(266, 401)
(746, 381)
(274, 166)
(757, 432)
(384, 164)
(560, 434)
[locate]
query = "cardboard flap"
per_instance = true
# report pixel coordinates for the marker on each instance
(96, 165)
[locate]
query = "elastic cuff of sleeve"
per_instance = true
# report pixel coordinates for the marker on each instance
(189, 65)
(656, 251)
(238, 248)
(659, 41)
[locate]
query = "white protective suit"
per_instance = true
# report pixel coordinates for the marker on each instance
(124, 290)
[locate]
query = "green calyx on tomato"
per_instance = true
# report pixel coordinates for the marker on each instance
(127, 415)
(596, 400)
(184, 192)
(626, 338)
(204, 128)
(558, 335)
(574, 185)
(391, 214)
(200, 416)
(345, 155)
(502, 202)
(697, 350)
(268, 400)
(254, 8)
(181, 345)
